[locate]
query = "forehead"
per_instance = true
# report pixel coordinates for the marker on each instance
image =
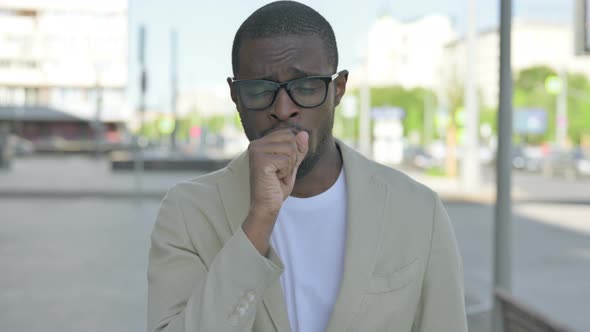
(283, 57)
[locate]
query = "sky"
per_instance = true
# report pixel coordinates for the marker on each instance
(206, 30)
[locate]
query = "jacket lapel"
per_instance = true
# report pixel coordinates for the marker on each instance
(235, 195)
(366, 201)
(235, 191)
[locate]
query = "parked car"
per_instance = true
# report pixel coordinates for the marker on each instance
(582, 158)
(20, 147)
(570, 164)
(6, 152)
(527, 158)
(418, 157)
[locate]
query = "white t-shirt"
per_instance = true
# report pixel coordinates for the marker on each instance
(309, 237)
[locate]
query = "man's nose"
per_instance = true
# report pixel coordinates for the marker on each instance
(284, 108)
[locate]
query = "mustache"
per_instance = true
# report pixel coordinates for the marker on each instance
(295, 129)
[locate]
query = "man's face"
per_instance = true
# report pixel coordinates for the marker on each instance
(282, 59)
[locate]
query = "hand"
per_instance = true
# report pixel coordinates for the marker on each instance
(274, 160)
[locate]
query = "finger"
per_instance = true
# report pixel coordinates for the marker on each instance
(278, 135)
(287, 149)
(281, 165)
(280, 129)
(302, 140)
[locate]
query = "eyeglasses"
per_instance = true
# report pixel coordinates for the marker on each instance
(305, 92)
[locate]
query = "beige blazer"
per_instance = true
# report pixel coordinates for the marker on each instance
(402, 269)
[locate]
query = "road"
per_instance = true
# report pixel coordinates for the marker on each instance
(551, 257)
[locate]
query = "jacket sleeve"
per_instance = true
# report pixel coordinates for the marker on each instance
(184, 295)
(442, 303)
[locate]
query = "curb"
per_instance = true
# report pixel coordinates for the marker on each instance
(75, 194)
(155, 194)
(449, 198)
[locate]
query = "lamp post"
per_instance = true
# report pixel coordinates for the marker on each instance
(503, 209)
(557, 85)
(98, 127)
(174, 87)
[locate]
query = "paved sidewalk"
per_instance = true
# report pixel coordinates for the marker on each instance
(79, 176)
(85, 176)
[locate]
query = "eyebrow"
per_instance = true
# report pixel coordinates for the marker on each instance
(297, 72)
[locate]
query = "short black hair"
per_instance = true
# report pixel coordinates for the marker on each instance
(283, 18)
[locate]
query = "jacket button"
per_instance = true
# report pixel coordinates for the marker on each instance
(250, 296)
(234, 319)
(241, 309)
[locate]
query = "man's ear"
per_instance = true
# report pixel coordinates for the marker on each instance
(340, 87)
(232, 92)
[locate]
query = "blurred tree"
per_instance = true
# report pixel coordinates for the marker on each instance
(350, 131)
(533, 79)
(412, 101)
(578, 108)
(346, 128)
(489, 115)
(213, 123)
(530, 92)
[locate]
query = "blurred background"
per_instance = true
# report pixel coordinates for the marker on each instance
(104, 105)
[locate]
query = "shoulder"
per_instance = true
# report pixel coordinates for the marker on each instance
(414, 205)
(196, 208)
(206, 187)
(199, 185)
(202, 186)
(395, 180)
(410, 209)
(401, 182)
(203, 201)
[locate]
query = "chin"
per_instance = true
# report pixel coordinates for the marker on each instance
(308, 164)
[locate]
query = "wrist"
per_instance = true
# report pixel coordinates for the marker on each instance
(266, 213)
(258, 228)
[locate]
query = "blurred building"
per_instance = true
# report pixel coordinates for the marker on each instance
(65, 55)
(51, 130)
(533, 44)
(406, 53)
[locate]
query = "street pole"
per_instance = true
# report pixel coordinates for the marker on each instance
(582, 46)
(138, 139)
(98, 129)
(503, 209)
(470, 173)
(143, 78)
(561, 122)
(174, 86)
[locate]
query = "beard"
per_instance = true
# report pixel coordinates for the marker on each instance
(316, 149)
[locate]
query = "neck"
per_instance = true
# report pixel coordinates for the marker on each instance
(323, 175)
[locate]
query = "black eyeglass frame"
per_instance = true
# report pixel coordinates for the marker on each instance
(286, 85)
